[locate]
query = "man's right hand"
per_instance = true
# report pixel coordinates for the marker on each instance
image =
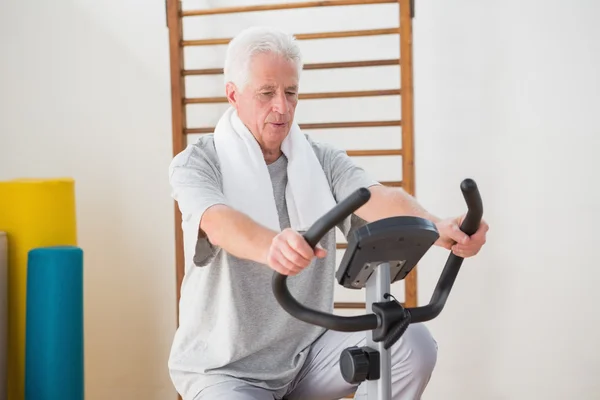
(289, 253)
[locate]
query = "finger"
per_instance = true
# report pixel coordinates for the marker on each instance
(457, 235)
(282, 244)
(277, 267)
(279, 263)
(293, 256)
(299, 244)
(320, 252)
(460, 252)
(484, 225)
(466, 247)
(286, 265)
(465, 251)
(480, 235)
(446, 244)
(475, 242)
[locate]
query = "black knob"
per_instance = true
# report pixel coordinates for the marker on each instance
(354, 363)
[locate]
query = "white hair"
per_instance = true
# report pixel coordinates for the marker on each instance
(256, 40)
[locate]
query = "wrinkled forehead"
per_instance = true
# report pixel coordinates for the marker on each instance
(273, 71)
(273, 87)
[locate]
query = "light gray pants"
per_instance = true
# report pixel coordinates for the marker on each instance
(413, 359)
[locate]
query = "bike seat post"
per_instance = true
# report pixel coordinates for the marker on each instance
(376, 287)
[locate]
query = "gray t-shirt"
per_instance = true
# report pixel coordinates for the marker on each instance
(230, 324)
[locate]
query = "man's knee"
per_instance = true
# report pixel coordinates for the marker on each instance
(416, 352)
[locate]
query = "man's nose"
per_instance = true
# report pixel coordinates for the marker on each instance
(280, 103)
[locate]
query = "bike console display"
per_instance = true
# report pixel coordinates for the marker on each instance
(399, 241)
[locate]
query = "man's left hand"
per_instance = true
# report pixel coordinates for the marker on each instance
(452, 238)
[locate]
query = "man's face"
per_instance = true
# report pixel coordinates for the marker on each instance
(268, 102)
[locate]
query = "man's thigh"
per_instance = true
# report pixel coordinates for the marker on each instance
(413, 359)
(320, 377)
(234, 390)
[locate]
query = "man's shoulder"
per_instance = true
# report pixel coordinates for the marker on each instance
(201, 152)
(321, 148)
(324, 151)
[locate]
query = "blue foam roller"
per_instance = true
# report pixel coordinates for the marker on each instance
(54, 353)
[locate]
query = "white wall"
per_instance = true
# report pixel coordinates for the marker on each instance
(85, 93)
(505, 93)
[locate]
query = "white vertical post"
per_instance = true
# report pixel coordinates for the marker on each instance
(377, 286)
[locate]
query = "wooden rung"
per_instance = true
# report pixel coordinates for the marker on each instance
(352, 64)
(371, 153)
(270, 7)
(341, 246)
(357, 93)
(205, 71)
(306, 96)
(357, 124)
(204, 100)
(320, 125)
(307, 67)
(343, 305)
(303, 36)
(190, 131)
(392, 183)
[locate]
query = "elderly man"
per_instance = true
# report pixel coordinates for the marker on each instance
(245, 193)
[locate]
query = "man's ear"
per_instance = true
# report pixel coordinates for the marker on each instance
(231, 92)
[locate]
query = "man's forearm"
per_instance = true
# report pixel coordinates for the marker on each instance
(388, 202)
(237, 233)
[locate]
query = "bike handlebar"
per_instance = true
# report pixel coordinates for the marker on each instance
(442, 290)
(336, 215)
(358, 323)
(323, 225)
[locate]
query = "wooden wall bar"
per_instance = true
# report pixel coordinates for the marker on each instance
(282, 6)
(180, 102)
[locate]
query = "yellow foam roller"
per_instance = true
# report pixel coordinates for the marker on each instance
(33, 213)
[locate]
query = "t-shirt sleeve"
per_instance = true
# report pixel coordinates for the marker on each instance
(195, 186)
(346, 177)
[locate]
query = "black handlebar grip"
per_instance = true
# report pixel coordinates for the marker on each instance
(474, 205)
(442, 290)
(336, 215)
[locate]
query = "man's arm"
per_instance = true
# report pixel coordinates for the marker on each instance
(207, 215)
(385, 201)
(286, 252)
(388, 202)
(237, 233)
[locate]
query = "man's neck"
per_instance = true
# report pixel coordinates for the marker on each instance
(271, 155)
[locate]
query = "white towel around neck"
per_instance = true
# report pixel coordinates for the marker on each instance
(247, 183)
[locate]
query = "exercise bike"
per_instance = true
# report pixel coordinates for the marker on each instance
(379, 254)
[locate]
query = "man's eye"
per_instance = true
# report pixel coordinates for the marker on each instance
(291, 93)
(267, 93)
